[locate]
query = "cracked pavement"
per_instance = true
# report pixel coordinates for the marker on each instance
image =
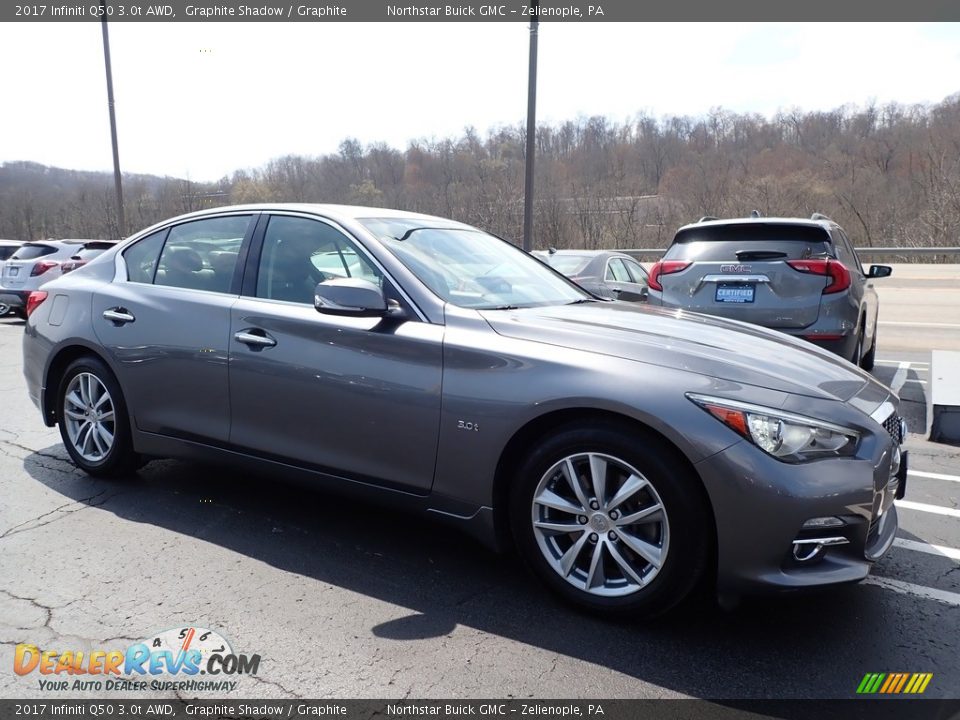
(347, 600)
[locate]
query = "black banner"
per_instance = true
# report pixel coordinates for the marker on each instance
(259, 709)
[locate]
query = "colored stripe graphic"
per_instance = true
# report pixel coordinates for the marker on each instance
(894, 683)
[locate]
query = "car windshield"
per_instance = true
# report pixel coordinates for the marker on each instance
(470, 268)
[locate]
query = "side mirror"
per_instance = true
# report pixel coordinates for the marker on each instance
(644, 293)
(879, 271)
(355, 297)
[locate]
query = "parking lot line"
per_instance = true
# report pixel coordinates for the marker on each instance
(934, 476)
(897, 362)
(923, 507)
(919, 324)
(921, 591)
(939, 550)
(900, 376)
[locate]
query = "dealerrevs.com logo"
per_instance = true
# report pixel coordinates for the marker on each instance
(169, 660)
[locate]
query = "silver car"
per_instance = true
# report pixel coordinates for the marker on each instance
(801, 277)
(627, 452)
(29, 267)
(7, 248)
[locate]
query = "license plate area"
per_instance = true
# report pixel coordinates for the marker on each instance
(735, 292)
(13, 271)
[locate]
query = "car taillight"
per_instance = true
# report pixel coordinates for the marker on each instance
(665, 267)
(833, 269)
(71, 266)
(41, 267)
(34, 300)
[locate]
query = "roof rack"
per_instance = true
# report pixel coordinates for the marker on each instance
(755, 214)
(706, 218)
(820, 216)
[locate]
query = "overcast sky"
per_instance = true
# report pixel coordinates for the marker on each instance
(200, 100)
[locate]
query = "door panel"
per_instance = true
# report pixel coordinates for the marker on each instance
(357, 396)
(171, 359)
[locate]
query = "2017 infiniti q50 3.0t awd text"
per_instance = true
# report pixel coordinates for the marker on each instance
(625, 451)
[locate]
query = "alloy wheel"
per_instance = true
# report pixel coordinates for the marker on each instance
(600, 524)
(89, 416)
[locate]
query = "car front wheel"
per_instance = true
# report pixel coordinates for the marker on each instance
(611, 520)
(93, 420)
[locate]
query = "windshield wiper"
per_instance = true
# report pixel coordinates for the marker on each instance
(581, 301)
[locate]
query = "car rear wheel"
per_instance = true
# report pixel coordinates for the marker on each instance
(4, 309)
(611, 520)
(868, 360)
(93, 420)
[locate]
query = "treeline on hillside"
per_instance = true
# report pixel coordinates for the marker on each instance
(890, 174)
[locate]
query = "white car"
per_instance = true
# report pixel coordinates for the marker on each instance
(31, 265)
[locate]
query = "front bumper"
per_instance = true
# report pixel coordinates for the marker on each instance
(761, 506)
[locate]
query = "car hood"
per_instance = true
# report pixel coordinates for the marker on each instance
(724, 349)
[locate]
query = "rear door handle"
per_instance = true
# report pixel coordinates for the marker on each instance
(255, 339)
(118, 316)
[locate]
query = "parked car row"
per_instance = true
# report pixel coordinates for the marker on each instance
(801, 277)
(616, 446)
(28, 265)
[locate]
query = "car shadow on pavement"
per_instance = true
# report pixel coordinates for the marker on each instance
(796, 644)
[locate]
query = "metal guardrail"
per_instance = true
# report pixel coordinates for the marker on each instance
(905, 251)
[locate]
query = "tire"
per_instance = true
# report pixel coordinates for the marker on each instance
(868, 360)
(4, 309)
(857, 357)
(637, 569)
(93, 419)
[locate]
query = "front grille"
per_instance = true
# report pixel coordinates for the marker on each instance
(894, 427)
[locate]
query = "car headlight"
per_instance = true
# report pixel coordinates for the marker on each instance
(784, 435)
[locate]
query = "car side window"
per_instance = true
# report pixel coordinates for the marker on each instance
(853, 253)
(844, 251)
(616, 271)
(299, 253)
(141, 257)
(202, 254)
(637, 273)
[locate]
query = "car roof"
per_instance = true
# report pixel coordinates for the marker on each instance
(583, 253)
(9, 243)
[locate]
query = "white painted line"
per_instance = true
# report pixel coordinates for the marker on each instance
(921, 591)
(919, 324)
(923, 547)
(916, 382)
(897, 362)
(899, 377)
(934, 476)
(933, 509)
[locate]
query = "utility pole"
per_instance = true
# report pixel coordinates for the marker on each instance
(531, 128)
(118, 183)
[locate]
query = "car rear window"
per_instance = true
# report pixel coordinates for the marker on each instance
(32, 252)
(567, 264)
(7, 250)
(756, 241)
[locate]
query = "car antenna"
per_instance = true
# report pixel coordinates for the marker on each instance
(755, 214)
(552, 250)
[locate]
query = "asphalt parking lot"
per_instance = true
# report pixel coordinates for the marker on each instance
(346, 600)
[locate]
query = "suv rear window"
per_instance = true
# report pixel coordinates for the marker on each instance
(756, 241)
(32, 252)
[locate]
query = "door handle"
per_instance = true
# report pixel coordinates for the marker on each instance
(254, 340)
(118, 316)
(616, 291)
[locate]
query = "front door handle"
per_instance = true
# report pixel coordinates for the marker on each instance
(255, 339)
(118, 316)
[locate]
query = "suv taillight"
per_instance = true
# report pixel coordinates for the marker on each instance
(665, 267)
(41, 267)
(34, 300)
(833, 269)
